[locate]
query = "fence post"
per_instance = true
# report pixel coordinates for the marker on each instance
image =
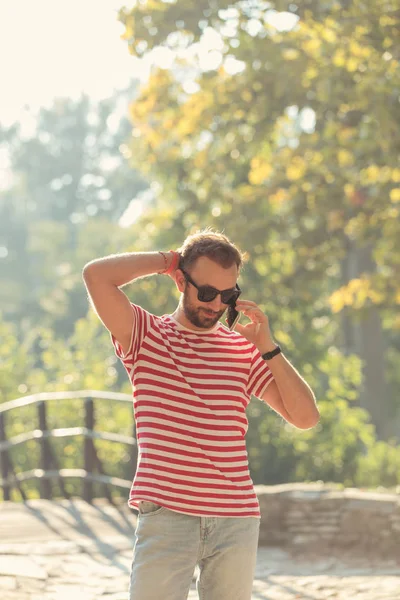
(88, 450)
(45, 484)
(4, 458)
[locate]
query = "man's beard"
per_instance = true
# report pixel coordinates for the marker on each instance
(197, 315)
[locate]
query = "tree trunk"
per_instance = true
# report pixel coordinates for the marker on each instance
(363, 335)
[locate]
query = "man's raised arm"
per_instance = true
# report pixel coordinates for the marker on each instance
(104, 276)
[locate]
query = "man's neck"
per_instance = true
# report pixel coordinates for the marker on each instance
(179, 316)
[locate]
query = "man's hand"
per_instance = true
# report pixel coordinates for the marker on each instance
(258, 330)
(169, 261)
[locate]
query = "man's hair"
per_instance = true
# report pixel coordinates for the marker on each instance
(214, 245)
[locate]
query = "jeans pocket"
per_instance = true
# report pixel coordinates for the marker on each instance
(148, 508)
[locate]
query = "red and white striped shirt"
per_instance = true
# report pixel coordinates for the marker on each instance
(190, 394)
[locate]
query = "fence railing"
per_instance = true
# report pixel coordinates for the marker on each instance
(48, 470)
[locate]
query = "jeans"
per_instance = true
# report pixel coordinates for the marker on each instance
(169, 545)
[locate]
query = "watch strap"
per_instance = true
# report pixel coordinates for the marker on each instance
(269, 355)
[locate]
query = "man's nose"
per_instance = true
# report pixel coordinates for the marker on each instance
(216, 304)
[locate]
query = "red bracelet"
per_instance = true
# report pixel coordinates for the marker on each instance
(174, 262)
(173, 265)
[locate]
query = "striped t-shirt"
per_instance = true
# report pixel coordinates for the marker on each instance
(190, 394)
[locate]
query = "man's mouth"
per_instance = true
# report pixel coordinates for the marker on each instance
(209, 313)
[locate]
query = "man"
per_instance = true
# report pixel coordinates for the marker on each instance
(192, 380)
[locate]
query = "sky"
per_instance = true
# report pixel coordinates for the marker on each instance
(51, 48)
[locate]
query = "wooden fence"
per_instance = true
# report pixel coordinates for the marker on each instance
(48, 470)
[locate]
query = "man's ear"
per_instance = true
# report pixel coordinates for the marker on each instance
(180, 280)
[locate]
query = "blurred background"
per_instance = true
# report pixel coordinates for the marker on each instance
(126, 128)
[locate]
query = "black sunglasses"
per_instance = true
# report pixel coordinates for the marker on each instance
(207, 293)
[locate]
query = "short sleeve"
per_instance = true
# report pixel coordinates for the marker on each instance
(142, 323)
(260, 375)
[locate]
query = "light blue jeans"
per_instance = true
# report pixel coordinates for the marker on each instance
(169, 545)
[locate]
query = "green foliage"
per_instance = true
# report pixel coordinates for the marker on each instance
(84, 361)
(340, 449)
(247, 141)
(295, 156)
(71, 184)
(16, 360)
(380, 466)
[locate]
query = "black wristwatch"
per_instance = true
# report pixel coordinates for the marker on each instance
(269, 355)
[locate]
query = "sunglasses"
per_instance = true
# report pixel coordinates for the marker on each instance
(207, 293)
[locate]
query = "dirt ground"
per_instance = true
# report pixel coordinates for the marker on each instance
(69, 549)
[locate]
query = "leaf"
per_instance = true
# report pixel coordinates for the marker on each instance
(395, 195)
(296, 169)
(260, 171)
(345, 158)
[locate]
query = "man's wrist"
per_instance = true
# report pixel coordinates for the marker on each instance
(172, 261)
(269, 347)
(271, 354)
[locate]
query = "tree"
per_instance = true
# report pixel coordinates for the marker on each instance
(293, 131)
(71, 183)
